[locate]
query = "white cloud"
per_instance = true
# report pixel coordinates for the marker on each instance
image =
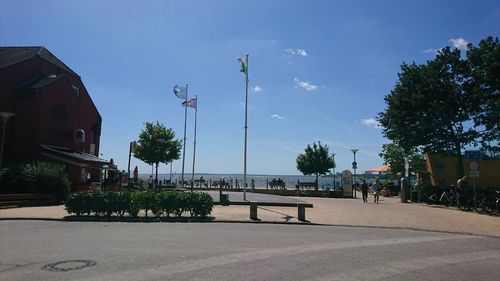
(371, 123)
(258, 89)
(459, 43)
(305, 85)
(431, 51)
(295, 52)
(302, 52)
(277, 116)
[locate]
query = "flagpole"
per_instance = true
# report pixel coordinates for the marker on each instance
(246, 127)
(184, 142)
(194, 143)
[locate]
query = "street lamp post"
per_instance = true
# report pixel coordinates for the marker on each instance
(354, 167)
(333, 169)
(5, 116)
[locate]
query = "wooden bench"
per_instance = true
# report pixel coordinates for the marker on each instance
(301, 208)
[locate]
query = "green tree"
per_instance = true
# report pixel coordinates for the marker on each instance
(156, 145)
(430, 108)
(315, 160)
(394, 156)
(484, 62)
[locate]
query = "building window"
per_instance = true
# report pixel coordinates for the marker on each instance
(76, 91)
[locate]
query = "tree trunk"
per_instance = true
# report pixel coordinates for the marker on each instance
(156, 177)
(316, 183)
(460, 160)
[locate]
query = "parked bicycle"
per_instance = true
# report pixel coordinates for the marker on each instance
(492, 205)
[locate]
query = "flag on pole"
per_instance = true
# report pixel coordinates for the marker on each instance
(193, 103)
(243, 64)
(180, 92)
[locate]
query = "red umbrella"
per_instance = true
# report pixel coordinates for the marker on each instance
(380, 169)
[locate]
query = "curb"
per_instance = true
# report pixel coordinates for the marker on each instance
(214, 220)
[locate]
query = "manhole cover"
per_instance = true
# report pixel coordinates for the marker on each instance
(69, 265)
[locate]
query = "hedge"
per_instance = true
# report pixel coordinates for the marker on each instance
(109, 203)
(39, 177)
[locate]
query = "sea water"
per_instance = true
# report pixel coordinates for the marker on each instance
(259, 180)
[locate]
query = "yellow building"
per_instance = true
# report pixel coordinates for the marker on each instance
(443, 170)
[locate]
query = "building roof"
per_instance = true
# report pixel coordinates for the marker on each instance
(13, 55)
(380, 169)
(73, 154)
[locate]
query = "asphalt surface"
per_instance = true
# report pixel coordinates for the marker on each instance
(52, 250)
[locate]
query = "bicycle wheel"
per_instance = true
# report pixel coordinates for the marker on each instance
(490, 207)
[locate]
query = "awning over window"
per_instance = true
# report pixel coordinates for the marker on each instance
(70, 156)
(380, 169)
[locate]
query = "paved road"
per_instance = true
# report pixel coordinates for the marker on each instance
(218, 251)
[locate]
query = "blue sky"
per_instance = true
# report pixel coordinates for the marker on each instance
(319, 70)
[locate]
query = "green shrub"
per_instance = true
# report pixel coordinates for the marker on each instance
(50, 178)
(180, 203)
(134, 206)
(16, 179)
(122, 203)
(157, 208)
(74, 204)
(98, 203)
(146, 201)
(202, 204)
(79, 203)
(119, 203)
(41, 177)
(168, 202)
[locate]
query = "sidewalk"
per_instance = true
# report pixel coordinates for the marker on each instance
(346, 212)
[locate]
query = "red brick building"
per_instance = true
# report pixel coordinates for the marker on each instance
(55, 118)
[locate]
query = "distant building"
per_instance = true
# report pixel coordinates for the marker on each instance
(55, 119)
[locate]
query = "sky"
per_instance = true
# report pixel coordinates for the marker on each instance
(318, 70)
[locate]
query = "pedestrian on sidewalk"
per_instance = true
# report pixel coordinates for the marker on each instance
(364, 191)
(376, 191)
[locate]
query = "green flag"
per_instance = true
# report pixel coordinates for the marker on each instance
(180, 92)
(243, 64)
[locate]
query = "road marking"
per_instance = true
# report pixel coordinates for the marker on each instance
(261, 254)
(386, 270)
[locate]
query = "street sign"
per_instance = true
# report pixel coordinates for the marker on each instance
(474, 173)
(473, 166)
(354, 165)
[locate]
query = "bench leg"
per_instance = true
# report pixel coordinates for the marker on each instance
(301, 212)
(253, 211)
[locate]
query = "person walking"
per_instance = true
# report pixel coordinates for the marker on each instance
(376, 192)
(364, 191)
(150, 182)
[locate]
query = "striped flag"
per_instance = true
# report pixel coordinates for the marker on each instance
(191, 103)
(180, 92)
(243, 65)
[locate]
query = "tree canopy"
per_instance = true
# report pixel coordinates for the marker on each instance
(315, 160)
(157, 144)
(447, 103)
(484, 63)
(394, 155)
